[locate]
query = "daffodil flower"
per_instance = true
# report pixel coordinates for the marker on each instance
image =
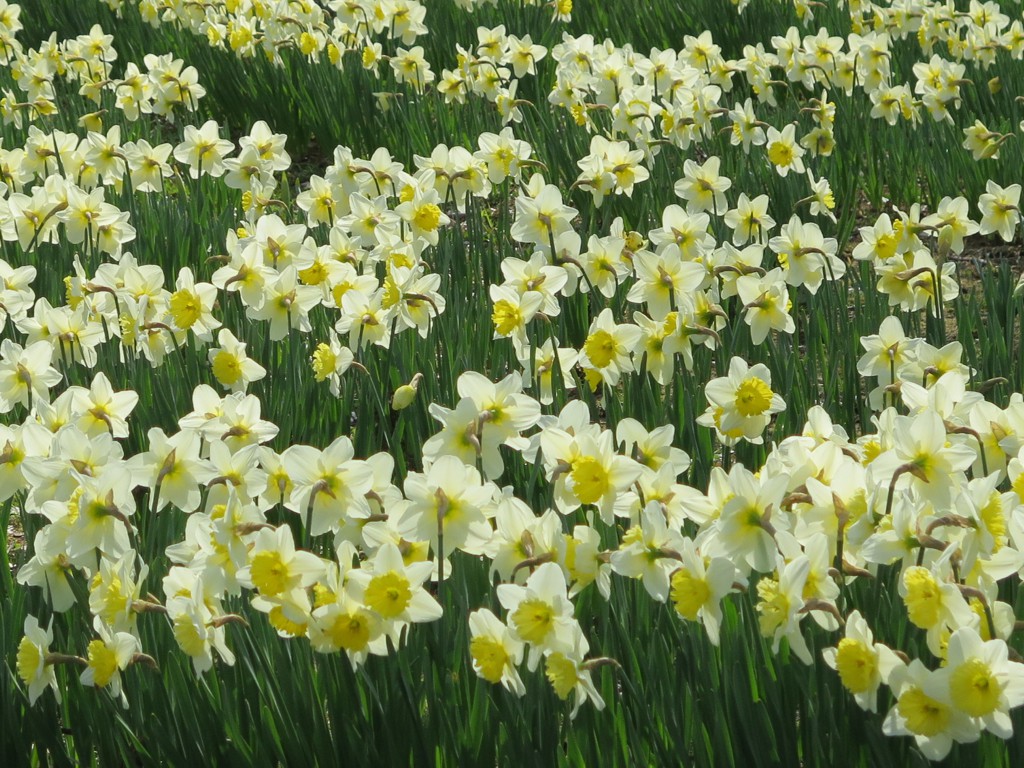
(862, 663)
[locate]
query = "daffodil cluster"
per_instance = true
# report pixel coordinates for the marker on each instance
(348, 550)
(87, 61)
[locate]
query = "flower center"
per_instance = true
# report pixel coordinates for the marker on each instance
(780, 154)
(490, 657)
(269, 573)
(589, 479)
(506, 317)
(350, 631)
(533, 619)
(29, 660)
(226, 368)
(185, 309)
(753, 397)
(857, 665)
(924, 600)
(600, 348)
(561, 673)
(975, 689)
(689, 593)
(102, 661)
(924, 715)
(388, 594)
(427, 217)
(773, 606)
(324, 362)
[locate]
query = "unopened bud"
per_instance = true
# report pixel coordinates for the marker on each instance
(406, 393)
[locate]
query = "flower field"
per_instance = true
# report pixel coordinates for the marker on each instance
(512, 382)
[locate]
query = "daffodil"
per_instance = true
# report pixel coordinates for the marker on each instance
(269, 146)
(286, 304)
(191, 306)
(1000, 210)
(879, 242)
(822, 200)
(607, 351)
(983, 682)
(198, 626)
(650, 552)
(540, 612)
(953, 222)
(585, 563)
(537, 275)
(202, 150)
(26, 374)
(570, 674)
(925, 710)
(34, 665)
(807, 256)
(276, 567)
(394, 589)
(50, 568)
(784, 153)
(170, 464)
(495, 651)
(652, 448)
(603, 264)
(665, 282)
(698, 586)
(932, 602)
(245, 273)
(488, 415)
(23, 446)
(239, 422)
(422, 212)
(344, 624)
(365, 319)
(544, 359)
(109, 655)
(114, 590)
(595, 475)
(767, 304)
(748, 519)
(502, 152)
(862, 663)
(746, 128)
(743, 401)
(329, 485)
(702, 187)
(925, 458)
(231, 365)
(447, 502)
(542, 217)
(982, 143)
(409, 65)
(513, 311)
(892, 102)
(370, 219)
(749, 220)
(16, 294)
(246, 171)
(683, 235)
(780, 606)
(100, 517)
(613, 165)
(522, 538)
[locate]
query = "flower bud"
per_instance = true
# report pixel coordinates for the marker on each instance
(406, 393)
